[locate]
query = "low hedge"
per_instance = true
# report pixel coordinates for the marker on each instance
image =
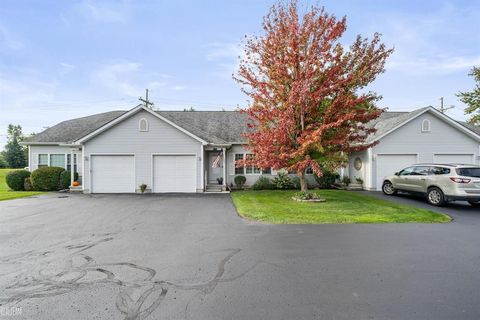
(15, 179)
(46, 178)
(263, 183)
(240, 181)
(65, 177)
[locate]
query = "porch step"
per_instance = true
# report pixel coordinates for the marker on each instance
(76, 189)
(213, 188)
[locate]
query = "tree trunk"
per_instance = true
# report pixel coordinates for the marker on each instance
(303, 183)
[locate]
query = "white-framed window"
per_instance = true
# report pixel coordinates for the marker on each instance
(309, 171)
(251, 169)
(57, 160)
(69, 164)
(143, 125)
(43, 160)
(426, 125)
(239, 170)
(267, 171)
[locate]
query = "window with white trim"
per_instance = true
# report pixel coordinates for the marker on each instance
(43, 160)
(426, 125)
(69, 164)
(251, 169)
(143, 125)
(267, 171)
(57, 160)
(238, 170)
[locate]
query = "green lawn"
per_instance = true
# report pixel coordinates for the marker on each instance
(7, 194)
(340, 207)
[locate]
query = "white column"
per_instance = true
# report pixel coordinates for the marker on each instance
(224, 166)
(202, 172)
(72, 166)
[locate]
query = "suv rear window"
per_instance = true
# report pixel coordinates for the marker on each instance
(440, 170)
(469, 172)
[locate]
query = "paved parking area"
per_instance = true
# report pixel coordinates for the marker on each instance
(192, 257)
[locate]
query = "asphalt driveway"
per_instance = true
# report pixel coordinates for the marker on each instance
(191, 257)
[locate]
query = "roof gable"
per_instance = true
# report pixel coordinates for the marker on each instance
(391, 124)
(127, 115)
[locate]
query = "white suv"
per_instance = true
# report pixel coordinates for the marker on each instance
(440, 183)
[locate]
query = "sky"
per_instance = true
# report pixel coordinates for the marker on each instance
(65, 59)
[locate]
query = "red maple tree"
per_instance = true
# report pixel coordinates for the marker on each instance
(308, 104)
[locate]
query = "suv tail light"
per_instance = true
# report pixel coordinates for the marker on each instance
(459, 180)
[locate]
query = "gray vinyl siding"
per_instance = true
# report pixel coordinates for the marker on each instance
(36, 150)
(442, 139)
(251, 178)
(125, 138)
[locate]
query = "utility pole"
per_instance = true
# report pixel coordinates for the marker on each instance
(442, 108)
(145, 101)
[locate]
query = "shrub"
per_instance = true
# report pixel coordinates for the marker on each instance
(143, 187)
(240, 181)
(263, 183)
(65, 179)
(327, 179)
(46, 178)
(346, 180)
(27, 184)
(296, 182)
(359, 180)
(305, 195)
(15, 179)
(282, 181)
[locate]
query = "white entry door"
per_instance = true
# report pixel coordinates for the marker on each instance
(454, 158)
(388, 164)
(112, 173)
(174, 173)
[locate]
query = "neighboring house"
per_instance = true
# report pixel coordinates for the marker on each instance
(182, 151)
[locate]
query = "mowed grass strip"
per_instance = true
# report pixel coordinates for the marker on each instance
(275, 206)
(7, 194)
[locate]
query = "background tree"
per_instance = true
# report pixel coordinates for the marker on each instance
(15, 153)
(472, 98)
(307, 106)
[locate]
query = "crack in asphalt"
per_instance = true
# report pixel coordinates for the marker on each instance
(75, 275)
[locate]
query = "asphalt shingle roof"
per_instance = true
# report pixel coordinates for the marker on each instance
(217, 127)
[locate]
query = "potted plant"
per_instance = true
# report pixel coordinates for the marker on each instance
(357, 185)
(143, 187)
(220, 180)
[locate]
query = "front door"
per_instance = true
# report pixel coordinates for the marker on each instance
(214, 170)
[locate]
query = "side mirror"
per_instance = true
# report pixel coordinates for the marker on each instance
(397, 173)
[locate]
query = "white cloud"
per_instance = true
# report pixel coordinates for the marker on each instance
(66, 68)
(223, 51)
(105, 11)
(432, 65)
(118, 77)
(131, 78)
(8, 41)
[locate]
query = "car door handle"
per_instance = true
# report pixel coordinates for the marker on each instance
(423, 179)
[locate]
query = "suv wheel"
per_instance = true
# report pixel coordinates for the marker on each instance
(435, 196)
(388, 188)
(474, 203)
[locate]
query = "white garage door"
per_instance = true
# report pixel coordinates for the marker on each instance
(112, 174)
(388, 164)
(174, 173)
(453, 158)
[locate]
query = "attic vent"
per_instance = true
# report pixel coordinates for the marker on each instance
(143, 125)
(426, 126)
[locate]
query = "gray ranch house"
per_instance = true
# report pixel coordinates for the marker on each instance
(183, 151)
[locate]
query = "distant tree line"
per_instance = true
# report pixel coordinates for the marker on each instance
(14, 155)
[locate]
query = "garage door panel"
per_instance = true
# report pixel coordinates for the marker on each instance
(454, 158)
(113, 173)
(388, 164)
(174, 173)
